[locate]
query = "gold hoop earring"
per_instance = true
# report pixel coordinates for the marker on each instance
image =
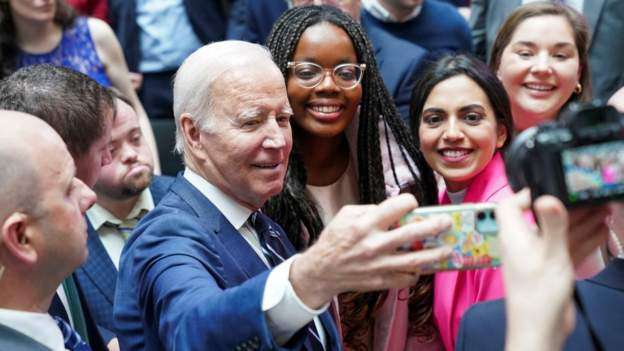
(578, 89)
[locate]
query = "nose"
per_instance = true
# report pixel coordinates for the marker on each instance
(274, 138)
(542, 64)
(453, 132)
(327, 82)
(87, 196)
(128, 153)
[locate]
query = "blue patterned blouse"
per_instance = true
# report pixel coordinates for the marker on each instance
(76, 51)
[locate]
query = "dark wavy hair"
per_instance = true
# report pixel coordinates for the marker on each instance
(293, 209)
(452, 65)
(64, 17)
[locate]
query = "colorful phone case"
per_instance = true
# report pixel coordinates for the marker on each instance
(473, 235)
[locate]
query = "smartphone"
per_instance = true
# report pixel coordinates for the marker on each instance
(473, 235)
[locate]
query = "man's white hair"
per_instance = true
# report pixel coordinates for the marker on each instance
(193, 84)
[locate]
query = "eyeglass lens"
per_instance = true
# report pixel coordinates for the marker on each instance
(345, 76)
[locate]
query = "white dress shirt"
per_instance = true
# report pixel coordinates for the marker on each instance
(40, 327)
(285, 312)
(380, 12)
(112, 239)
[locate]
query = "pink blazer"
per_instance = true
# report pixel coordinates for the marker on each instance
(455, 291)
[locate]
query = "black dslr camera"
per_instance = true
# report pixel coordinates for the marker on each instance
(579, 158)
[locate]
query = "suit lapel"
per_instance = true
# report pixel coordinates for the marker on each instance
(236, 247)
(612, 276)
(592, 10)
(159, 187)
(331, 331)
(239, 250)
(99, 267)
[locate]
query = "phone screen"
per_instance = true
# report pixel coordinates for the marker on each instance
(473, 236)
(594, 171)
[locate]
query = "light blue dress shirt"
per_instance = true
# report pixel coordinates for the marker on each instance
(166, 35)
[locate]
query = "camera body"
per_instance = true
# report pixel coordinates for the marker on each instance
(579, 158)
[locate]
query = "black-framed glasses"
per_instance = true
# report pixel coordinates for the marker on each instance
(309, 74)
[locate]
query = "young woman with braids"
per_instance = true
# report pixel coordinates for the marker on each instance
(349, 147)
(35, 32)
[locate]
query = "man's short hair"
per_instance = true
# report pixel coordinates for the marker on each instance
(192, 87)
(69, 101)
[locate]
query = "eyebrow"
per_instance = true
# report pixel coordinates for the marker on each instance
(340, 61)
(472, 107)
(532, 44)
(434, 109)
(255, 111)
(462, 109)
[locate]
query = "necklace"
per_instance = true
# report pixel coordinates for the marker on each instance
(619, 248)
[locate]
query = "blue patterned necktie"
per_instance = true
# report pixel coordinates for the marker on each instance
(275, 252)
(71, 338)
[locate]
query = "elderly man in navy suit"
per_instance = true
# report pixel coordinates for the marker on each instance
(206, 269)
(126, 190)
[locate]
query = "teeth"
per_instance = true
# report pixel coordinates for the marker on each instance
(326, 109)
(539, 87)
(454, 153)
(268, 166)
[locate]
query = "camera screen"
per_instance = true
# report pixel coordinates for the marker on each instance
(594, 171)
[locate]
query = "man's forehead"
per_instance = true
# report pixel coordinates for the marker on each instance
(126, 118)
(240, 87)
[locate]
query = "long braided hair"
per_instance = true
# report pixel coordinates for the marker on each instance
(293, 208)
(64, 16)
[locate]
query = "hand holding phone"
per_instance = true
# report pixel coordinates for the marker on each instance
(473, 235)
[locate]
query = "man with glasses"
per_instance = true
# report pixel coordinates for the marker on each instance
(206, 270)
(399, 61)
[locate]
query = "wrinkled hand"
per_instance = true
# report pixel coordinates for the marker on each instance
(357, 251)
(538, 273)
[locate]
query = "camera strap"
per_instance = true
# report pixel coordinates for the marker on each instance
(580, 306)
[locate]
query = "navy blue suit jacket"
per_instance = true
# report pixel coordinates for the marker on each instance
(400, 61)
(207, 17)
(483, 326)
(98, 275)
(189, 281)
(252, 20)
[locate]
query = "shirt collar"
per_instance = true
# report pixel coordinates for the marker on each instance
(98, 215)
(233, 211)
(38, 326)
(380, 12)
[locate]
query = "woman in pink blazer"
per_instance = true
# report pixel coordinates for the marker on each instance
(462, 120)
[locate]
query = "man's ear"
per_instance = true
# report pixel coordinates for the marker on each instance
(191, 133)
(17, 238)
